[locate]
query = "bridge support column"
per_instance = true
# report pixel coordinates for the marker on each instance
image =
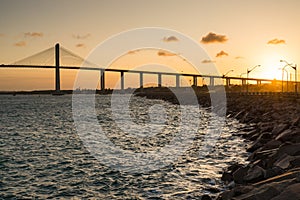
(195, 80)
(159, 80)
(177, 80)
(102, 80)
(141, 80)
(57, 73)
(227, 81)
(122, 81)
(243, 82)
(212, 81)
(258, 82)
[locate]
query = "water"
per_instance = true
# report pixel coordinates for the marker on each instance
(42, 156)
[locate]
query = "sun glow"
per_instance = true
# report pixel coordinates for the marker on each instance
(271, 67)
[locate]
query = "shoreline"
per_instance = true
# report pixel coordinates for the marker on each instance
(273, 139)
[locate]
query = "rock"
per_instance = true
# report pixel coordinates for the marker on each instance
(266, 191)
(288, 176)
(274, 171)
(290, 149)
(238, 175)
(292, 192)
(266, 126)
(296, 121)
(279, 128)
(235, 166)
(296, 162)
(255, 174)
(205, 197)
(257, 144)
(285, 135)
(227, 177)
(284, 161)
(271, 145)
(250, 134)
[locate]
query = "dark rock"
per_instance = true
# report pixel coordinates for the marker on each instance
(272, 144)
(232, 168)
(295, 162)
(290, 149)
(266, 191)
(292, 192)
(257, 144)
(255, 174)
(240, 190)
(266, 126)
(227, 177)
(250, 134)
(296, 121)
(279, 128)
(285, 135)
(284, 161)
(205, 197)
(238, 175)
(274, 171)
(262, 155)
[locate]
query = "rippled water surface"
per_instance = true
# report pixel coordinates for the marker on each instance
(43, 156)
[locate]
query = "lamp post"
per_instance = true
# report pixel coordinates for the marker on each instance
(224, 75)
(295, 68)
(287, 78)
(227, 79)
(248, 72)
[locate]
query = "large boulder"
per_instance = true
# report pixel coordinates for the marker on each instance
(255, 174)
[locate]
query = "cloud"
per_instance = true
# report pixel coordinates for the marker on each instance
(165, 53)
(80, 45)
(2, 35)
(222, 53)
(207, 61)
(33, 34)
(81, 37)
(213, 38)
(20, 44)
(239, 57)
(276, 41)
(170, 39)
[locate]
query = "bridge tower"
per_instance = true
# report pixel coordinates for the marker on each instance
(57, 73)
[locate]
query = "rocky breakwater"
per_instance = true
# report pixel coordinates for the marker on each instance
(273, 135)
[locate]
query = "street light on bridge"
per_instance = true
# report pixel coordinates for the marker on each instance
(295, 68)
(287, 78)
(248, 72)
(224, 75)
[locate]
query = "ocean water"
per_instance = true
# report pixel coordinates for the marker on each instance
(43, 156)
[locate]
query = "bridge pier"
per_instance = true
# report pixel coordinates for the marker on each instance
(258, 82)
(243, 82)
(102, 80)
(57, 72)
(177, 80)
(141, 80)
(212, 81)
(195, 80)
(159, 80)
(227, 81)
(122, 81)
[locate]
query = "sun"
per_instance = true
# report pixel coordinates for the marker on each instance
(271, 68)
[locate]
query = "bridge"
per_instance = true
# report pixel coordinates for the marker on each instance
(58, 50)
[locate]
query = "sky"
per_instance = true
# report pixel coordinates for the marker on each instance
(236, 35)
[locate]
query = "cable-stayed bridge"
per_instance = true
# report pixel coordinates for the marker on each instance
(59, 58)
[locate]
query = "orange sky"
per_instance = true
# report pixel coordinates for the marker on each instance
(235, 34)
